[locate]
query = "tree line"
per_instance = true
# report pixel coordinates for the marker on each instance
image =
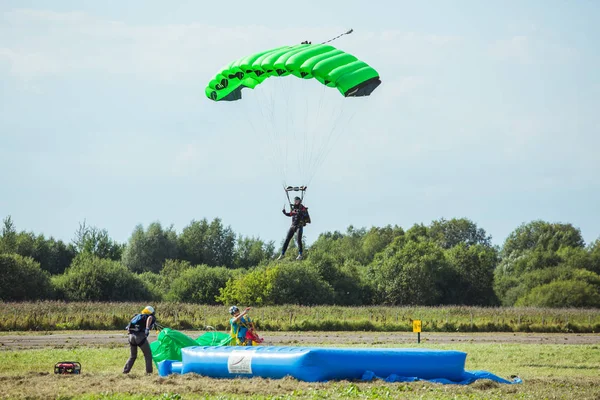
(448, 262)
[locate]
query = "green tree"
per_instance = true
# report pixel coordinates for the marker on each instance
(411, 274)
(193, 242)
(568, 293)
(211, 244)
(418, 233)
(157, 285)
(251, 252)
(450, 233)
(541, 235)
(91, 278)
(148, 250)
(343, 247)
(90, 239)
(474, 267)
(172, 269)
(59, 256)
(575, 258)
(348, 281)
(522, 286)
(508, 273)
(21, 278)
(200, 284)
(8, 240)
(52, 255)
(377, 239)
(594, 251)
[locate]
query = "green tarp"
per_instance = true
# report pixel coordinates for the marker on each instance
(169, 343)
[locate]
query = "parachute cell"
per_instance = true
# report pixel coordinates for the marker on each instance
(325, 63)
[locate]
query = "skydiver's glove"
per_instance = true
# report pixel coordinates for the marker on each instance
(147, 332)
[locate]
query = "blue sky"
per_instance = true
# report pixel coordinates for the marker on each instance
(488, 110)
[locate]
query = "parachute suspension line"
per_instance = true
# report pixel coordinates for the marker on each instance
(330, 141)
(333, 137)
(351, 133)
(246, 111)
(315, 135)
(336, 137)
(302, 169)
(276, 134)
(265, 106)
(323, 144)
(288, 117)
(338, 36)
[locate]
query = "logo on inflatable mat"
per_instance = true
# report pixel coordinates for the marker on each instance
(240, 362)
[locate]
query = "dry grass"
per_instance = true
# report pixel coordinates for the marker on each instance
(54, 315)
(102, 386)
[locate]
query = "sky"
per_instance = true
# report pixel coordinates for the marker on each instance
(487, 110)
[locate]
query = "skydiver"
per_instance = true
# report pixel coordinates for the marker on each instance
(243, 330)
(139, 330)
(300, 218)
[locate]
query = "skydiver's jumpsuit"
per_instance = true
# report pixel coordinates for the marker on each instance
(299, 218)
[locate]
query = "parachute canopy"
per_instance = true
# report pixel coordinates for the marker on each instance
(169, 343)
(325, 63)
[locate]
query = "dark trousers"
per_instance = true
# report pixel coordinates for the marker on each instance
(139, 340)
(290, 235)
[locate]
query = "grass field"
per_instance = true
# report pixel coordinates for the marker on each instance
(42, 316)
(549, 371)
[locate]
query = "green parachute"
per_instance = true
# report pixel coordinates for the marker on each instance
(301, 123)
(325, 63)
(169, 343)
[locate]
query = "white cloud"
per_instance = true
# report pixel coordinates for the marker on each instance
(42, 43)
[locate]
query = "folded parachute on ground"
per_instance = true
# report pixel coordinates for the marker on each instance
(325, 63)
(169, 343)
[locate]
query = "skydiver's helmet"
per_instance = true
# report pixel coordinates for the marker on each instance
(148, 310)
(233, 310)
(297, 202)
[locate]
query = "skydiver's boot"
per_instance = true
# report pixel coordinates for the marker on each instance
(299, 257)
(280, 257)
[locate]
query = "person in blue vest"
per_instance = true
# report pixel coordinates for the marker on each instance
(243, 332)
(139, 330)
(239, 324)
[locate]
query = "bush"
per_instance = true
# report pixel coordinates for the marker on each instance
(156, 284)
(568, 293)
(96, 279)
(282, 283)
(199, 284)
(348, 281)
(21, 278)
(412, 273)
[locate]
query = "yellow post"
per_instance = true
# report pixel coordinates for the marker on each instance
(417, 329)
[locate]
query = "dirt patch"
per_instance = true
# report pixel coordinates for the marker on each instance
(23, 340)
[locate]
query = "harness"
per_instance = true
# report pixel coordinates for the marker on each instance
(137, 325)
(242, 323)
(132, 341)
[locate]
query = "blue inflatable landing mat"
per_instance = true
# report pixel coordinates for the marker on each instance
(324, 364)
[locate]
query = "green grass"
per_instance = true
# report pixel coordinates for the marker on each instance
(52, 315)
(548, 371)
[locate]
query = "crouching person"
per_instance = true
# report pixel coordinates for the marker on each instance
(139, 330)
(243, 332)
